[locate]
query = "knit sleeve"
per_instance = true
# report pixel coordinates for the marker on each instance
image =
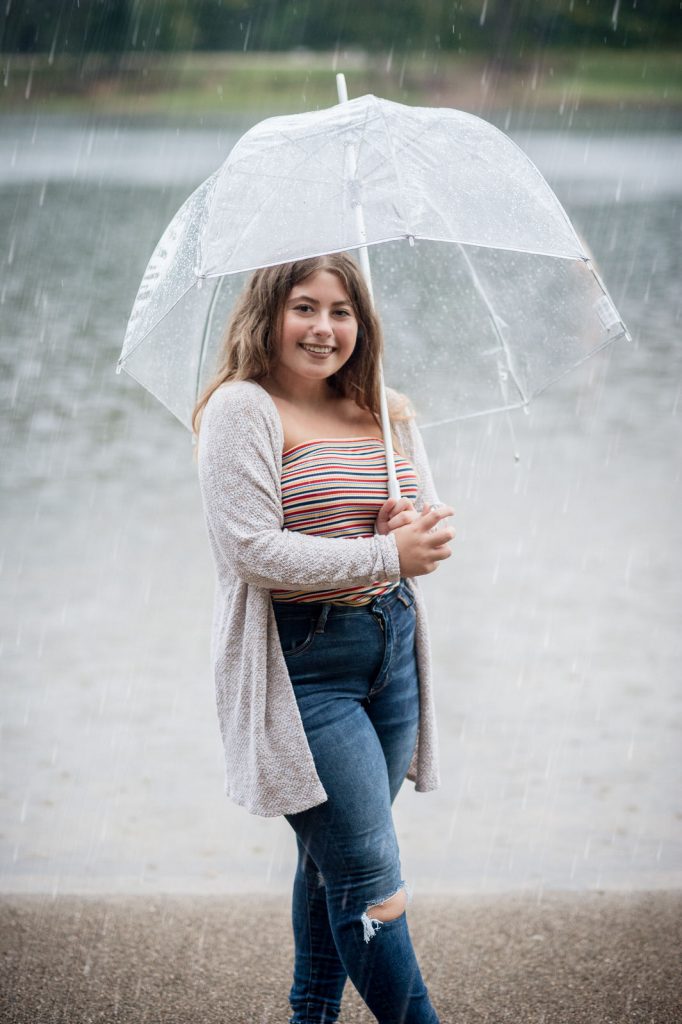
(240, 488)
(409, 436)
(420, 460)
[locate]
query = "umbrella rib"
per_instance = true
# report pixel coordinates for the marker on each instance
(395, 169)
(366, 141)
(588, 355)
(323, 132)
(538, 391)
(415, 138)
(208, 325)
(459, 417)
(493, 319)
(308, 156)
(123, 359)
(247, 227)
(173, 412)
(407, 142)
(268, 199)
(395, 238)
(501, 248)
(282, 177)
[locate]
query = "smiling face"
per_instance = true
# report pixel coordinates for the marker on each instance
(318, 333)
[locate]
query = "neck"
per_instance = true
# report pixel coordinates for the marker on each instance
(306, 394)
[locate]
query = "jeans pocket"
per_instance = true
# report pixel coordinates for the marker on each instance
(296, 633)
(405, 595)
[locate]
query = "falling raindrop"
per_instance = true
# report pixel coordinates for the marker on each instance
(29, 83)
(614, 15)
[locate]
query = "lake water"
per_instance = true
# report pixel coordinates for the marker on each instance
(556, 624)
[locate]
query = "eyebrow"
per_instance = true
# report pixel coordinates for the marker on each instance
(307, 298)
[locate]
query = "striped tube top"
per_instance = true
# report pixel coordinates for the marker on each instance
(334, 487)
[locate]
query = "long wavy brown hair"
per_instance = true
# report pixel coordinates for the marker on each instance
(249, 349)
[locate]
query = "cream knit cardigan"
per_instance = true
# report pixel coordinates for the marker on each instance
(269, 768)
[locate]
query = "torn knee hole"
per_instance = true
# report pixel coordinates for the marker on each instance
(385, 910)
(389, 909)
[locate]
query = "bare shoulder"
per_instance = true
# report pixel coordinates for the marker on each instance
(340, 417)
(352, 416)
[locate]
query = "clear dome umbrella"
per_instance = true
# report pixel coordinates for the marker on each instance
(485, 291)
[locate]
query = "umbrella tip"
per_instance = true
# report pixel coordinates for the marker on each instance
(341, 89)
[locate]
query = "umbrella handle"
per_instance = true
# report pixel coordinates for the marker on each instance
(393, 485)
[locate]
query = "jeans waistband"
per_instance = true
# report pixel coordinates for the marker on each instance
(401, 593)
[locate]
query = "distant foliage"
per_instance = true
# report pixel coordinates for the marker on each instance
(58, 26)
(508, 27)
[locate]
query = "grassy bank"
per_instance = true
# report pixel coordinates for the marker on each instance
(185, 83)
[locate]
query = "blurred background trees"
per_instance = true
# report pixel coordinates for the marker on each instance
(512, 27)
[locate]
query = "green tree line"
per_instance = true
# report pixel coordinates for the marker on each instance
(507, 27)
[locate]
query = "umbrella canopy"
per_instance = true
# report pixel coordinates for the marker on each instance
(484, 289)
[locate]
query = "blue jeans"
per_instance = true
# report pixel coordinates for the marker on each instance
(354, 675)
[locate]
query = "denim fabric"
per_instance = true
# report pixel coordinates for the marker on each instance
(354, 675)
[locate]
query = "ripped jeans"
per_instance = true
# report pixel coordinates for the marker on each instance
(354, 675)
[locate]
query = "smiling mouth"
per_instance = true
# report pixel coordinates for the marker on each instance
(318, 350)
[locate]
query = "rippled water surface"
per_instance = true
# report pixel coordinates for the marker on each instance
(555, 625)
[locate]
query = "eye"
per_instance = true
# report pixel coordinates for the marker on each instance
(302, 307)
(343, 312)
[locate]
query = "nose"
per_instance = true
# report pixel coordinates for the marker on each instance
(323, 325)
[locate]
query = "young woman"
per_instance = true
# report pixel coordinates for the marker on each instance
(320, 643)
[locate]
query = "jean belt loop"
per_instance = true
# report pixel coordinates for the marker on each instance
(322, 618)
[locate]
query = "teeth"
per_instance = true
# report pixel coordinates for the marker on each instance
(318, 348)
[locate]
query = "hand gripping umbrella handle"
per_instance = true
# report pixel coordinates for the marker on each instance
(351, 166)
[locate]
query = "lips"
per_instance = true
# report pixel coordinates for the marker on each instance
(318, 350)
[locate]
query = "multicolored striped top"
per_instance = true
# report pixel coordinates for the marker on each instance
(334, 487)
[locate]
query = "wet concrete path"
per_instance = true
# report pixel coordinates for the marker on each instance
(593, 958)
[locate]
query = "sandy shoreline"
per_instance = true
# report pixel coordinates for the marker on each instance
(588, 958)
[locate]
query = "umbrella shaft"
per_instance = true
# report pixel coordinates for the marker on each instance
(363, 253)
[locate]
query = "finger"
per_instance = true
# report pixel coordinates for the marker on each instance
(437, 511)
(387, 506)
(437, 538)
(441, 534)
(393, 506)
(434, 515)
(402, 519)
(386, 510)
